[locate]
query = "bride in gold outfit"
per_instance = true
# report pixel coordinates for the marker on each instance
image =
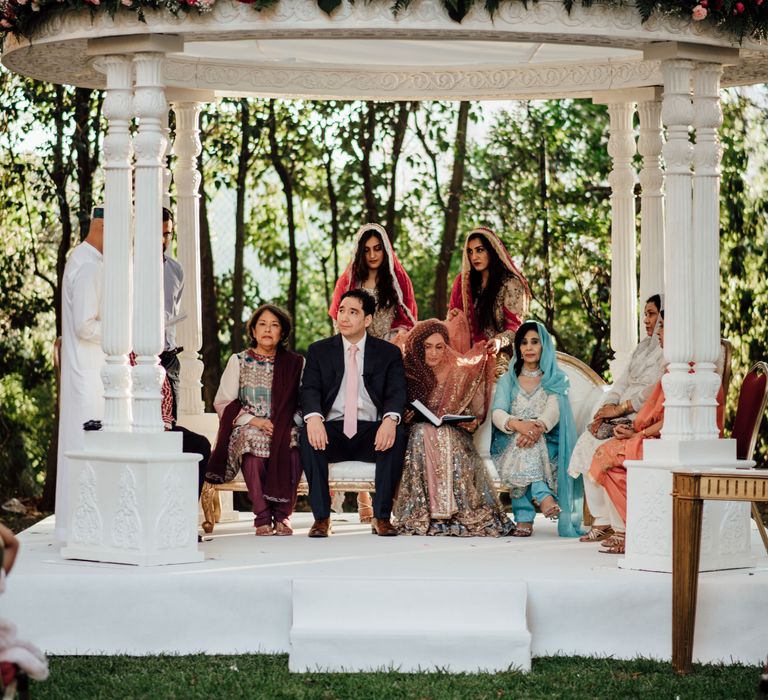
(445, 488)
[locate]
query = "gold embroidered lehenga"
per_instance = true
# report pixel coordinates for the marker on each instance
(445, 487)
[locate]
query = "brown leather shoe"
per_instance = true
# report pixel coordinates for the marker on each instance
(383, 527)
(283, 529)
(320, 528)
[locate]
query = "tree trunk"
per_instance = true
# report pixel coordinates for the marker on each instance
(286, 179)
(238, 326)
(334, 206)
(59, 174)
(88, 155)
(549, 301)
(211, 350)
(366, 138)
(452, 213)
(401, 124)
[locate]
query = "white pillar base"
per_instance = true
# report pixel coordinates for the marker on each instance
(133, 500)
(725, 538)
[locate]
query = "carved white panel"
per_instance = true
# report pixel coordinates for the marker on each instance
(172, 527)
(126, 526)
(87, 526)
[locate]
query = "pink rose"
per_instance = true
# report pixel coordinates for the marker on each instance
(699, 13)
(739, 8)
(758, 2)
(704, 3)
(5, 23)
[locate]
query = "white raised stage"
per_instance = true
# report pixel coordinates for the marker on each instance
(325, 599)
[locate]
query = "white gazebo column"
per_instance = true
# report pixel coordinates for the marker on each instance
(651, 177)
(725, 529)
(708, 117)
(621, 148)
(677, 113)
(187, 147)
(116, 285)
(150, 143)
(134, 493)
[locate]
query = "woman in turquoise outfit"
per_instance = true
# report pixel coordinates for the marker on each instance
(534, 435)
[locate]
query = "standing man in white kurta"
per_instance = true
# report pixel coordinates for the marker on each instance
(81, 395)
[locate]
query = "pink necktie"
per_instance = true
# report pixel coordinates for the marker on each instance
(350, 399)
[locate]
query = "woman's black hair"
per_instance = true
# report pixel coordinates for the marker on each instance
(485, 299)
(655, 299)
(384, 284)
(519, 335)
(282, 316)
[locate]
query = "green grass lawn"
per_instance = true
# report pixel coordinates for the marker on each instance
(87, 677)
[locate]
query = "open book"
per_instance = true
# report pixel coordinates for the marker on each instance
(447, 419)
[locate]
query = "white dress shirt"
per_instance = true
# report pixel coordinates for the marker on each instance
(173, 286)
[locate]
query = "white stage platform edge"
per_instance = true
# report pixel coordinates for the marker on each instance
(240, 598)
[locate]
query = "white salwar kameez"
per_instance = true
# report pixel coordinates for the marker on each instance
(81, 395)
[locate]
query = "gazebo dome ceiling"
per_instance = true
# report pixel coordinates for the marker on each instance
(364, 51)
(403, 53)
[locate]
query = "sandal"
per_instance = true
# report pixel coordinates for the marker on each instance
(523, 530)
(553, 511)
(616, 546)
(263, 530)
(364, 507)
(598, 533)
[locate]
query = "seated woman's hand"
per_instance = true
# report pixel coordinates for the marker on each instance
(469, 426)
(452, 313)
(263, 424)
(608, 411)
(623, 432)
(594, 426)
(493, 346)
(528, 433)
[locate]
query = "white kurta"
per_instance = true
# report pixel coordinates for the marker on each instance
(82, 392)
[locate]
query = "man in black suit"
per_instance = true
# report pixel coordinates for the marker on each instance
(353, 395)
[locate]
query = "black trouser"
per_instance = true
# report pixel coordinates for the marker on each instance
(195, 443)
(389, 464)
(169, 359)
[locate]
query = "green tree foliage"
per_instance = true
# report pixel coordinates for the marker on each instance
(540, 181)
(744, 241)
(302, 177)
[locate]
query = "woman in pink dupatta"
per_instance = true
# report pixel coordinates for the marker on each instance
(490, 291)
(376, 269)
(445, 488)
(607, 468)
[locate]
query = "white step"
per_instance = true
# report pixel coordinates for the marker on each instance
(410, 625)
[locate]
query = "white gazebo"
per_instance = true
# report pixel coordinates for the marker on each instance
(668, 70)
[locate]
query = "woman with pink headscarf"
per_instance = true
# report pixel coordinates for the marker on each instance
(490, 291)
(376, 269)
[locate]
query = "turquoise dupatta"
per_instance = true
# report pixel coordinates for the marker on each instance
(560, 440)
